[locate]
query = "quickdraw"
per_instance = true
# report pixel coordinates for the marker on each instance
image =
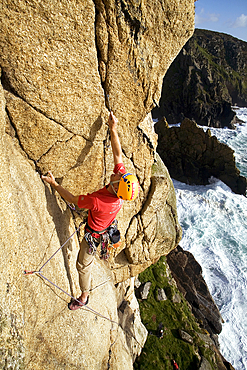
(104, 253)
(91, 243)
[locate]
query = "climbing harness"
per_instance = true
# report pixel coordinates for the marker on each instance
(108, 238)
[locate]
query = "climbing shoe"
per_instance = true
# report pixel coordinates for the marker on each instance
(75, 304)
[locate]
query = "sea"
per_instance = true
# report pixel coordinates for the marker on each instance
(214, 223)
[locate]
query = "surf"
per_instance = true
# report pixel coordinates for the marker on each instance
(214, 223)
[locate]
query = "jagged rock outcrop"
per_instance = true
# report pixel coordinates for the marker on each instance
(188, 275)
(178, 328)
(206, 78)
(58, 61)
(193, 156)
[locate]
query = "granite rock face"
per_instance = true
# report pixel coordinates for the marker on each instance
(58, 61)
(193, 156)
(207, 77)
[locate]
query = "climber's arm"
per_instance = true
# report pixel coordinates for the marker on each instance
(115, 142)
(65, 194)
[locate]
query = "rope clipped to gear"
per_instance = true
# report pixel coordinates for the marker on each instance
(40, 273)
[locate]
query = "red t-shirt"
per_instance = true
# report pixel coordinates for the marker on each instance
(102, 205)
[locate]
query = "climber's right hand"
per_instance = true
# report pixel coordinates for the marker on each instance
(50, 179)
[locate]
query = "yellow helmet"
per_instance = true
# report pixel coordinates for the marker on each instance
(129, 187)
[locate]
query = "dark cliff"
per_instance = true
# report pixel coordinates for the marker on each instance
(193, 156)
(208, 76)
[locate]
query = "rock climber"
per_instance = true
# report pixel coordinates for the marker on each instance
(103, 206)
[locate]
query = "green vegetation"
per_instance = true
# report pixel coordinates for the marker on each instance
(207, 77)
(213, 61)
(158, 352)
(224, 69)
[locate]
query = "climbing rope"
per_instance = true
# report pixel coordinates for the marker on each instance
(40, 270)
(71, 236)
(40, 273)
(89, 308)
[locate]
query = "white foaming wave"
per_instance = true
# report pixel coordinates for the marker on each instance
(238, 142)
(214, 223)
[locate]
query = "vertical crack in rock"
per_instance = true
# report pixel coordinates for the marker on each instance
(102, 47)
(133, 20)
(140, 227)
(15, 132)
(110, 350)
(106, 144)
(151, 146)
(6, 83)
(101, 43)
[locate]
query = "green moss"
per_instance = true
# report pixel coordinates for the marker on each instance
(158, 352)
(227, 73)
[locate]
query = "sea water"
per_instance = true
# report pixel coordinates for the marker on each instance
(214, 223)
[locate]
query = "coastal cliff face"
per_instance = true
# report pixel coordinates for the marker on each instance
(207, 77)
(58, 61)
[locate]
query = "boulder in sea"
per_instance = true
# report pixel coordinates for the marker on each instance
(188, 275)
(194, 156)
